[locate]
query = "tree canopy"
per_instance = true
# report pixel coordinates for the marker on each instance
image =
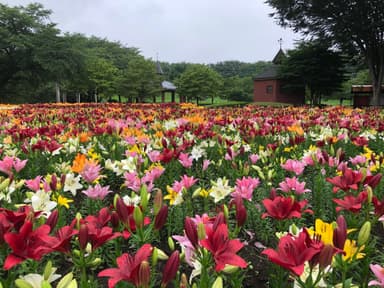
(199, 82)
(314, 66)
(354, 26)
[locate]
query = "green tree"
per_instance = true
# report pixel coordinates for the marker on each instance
(31, 52)
(355, 26)
(314, 66)
(199, 82)
(139, 80)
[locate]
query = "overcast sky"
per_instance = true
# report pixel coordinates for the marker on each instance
(199, 31)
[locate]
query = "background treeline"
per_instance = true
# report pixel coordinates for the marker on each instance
(40, 63)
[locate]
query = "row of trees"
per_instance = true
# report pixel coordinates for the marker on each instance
(35, 59)
(38, 61)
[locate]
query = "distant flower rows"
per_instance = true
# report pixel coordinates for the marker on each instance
(176, 195)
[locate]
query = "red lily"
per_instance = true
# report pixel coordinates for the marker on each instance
(349, 180)
(222, 248)
(372, 180)
(64, 237)
(128, 267)
(351, 203)
(293, 252)
(284, 208)
(27, 244)
(379, 206)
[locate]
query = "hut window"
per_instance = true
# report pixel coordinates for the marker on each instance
(269, 89)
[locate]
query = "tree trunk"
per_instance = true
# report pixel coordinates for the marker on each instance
(64, 97)
(57, 92)
(78, 97)
(95, 95)
(376, 67)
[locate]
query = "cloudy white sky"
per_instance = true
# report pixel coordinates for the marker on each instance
(199, 31)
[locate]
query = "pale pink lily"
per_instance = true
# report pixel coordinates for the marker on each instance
(34, 184)
(132, 181)
(295, 166)
(97, 192)
(254, 158)
(206, 163)
(10, 162)
(188, 248)
(154, 156)
(379, 273)
(244, 187)
(293, 185)
(358, 160)
(91, 172)
(187, 181)
(185, 160)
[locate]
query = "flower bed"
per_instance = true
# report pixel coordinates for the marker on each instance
(173, 195)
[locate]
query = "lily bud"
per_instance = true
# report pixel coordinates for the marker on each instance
(171, 268)
(183, 281)
(364, 233)
(53, 182)
(226, 213)
(241, 215)
(143, 197)
(161, 254)
(52, 219)
(201, 231)
(122, 210)
(369, 194)
(21, 283)
(45, 284)
(157, 201)
(161, 218)
(66, 281)
(5, 184)
(144, 275)
(340, 232)
(325, 256)
(191, 231)
(171, 243)
(78, 218)
(47, 270)
(83, 236)
(115, 221)
(229, 269)
(218, 283)
(138, 217)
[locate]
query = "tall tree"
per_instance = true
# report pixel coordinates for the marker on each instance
(199, 82)
(314, 66)
(355, 26)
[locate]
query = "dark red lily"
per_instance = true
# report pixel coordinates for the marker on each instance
(351, 203)
(222, 248)
(284, 208)
(293, 251)
(372, 180)
(349, 180)
(28, 244)
(128, 267)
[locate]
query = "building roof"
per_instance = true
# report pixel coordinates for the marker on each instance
(269, 73)
(159, 70)
(279, 57)
(166, 85)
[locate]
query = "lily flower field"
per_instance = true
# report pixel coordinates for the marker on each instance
(177, 195)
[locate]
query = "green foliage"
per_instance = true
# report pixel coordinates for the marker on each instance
(355, 26)
(315, 66)
(199, 82)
